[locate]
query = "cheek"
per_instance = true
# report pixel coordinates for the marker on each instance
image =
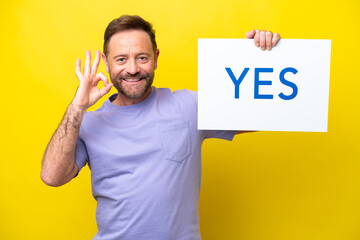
(149, 67)
(115, 70)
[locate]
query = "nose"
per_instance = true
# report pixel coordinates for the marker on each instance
(132, 67)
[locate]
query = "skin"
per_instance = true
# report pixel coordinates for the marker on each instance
(266, 40)
(58, 165)
(131, 63)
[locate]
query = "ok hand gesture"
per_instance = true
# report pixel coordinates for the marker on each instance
(88, 92)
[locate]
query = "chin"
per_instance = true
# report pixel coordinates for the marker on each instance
(134, 94)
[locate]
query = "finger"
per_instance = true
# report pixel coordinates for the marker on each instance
(101, 77)
(250, 34)
(95, 65)
(257, 38)
(262, 40)
(268, 40)
(87, 64)
(105, 90)
(275, 39)
(107, 85)
(78, 70)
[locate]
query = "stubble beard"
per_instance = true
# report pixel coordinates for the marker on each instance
(133, 91)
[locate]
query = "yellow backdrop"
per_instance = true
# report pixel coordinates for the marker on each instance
(261, 186)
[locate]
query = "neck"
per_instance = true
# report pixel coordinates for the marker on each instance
(122, 100)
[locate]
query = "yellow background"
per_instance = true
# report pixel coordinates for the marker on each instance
(262, 186)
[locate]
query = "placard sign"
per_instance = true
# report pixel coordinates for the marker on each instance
(244, 88)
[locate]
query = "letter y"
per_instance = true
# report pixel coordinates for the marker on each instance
(237, 81)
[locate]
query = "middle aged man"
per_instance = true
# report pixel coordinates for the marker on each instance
(142, 145)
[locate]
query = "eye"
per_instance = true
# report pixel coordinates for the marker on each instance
(120, 60)
(143, 59)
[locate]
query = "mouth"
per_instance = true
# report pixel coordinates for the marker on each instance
(132, 80)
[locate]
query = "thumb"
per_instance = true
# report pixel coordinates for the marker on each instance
(250, 34)
(106, 89)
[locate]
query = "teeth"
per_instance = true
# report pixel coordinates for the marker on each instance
(132, 79)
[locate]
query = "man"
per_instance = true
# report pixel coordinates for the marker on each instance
(142, 145)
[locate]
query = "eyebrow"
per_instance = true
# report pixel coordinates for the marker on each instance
(124, 55)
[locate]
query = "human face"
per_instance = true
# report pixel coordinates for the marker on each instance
(130, 63)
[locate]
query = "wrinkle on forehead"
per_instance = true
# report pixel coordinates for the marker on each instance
(130, 42)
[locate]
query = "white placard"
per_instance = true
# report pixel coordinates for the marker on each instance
(285, 89)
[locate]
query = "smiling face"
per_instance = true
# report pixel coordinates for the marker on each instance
(131, 63)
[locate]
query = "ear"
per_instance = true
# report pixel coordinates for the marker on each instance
(156, 58)
(105, 61)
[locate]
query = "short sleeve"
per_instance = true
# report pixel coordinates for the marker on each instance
(81, 155)
(221, 134)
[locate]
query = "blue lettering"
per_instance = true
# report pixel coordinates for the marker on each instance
(287, 83)
(258, 83)
(237, 81)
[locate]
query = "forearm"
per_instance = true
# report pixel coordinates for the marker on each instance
(58, 166)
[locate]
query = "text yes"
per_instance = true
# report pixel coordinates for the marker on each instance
(259, 82)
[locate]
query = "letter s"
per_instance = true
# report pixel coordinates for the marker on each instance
(288, 83)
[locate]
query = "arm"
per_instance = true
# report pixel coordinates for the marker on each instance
(58, 165)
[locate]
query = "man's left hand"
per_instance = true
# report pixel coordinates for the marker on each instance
(266, 40)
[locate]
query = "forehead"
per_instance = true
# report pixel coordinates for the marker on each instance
(130, 40)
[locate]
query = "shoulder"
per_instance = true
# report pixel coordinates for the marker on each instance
(187, 94)
(183, 102)
(184, 96)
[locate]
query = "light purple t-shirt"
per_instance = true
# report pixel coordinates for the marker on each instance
(145, 162)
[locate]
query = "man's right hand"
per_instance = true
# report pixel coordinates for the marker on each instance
(88, 92)
(58, 165)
